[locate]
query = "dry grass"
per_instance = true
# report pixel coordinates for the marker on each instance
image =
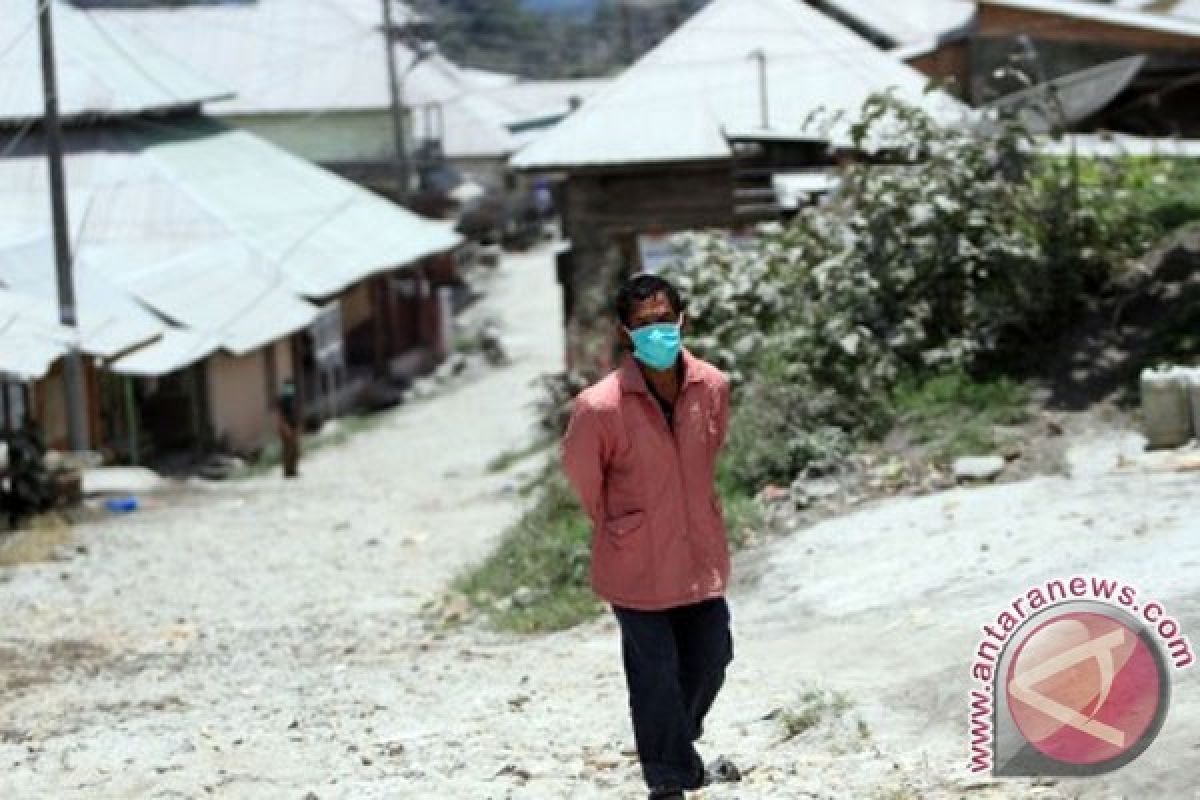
(813, 708)
(38, 542)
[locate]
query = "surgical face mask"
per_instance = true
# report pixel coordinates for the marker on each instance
(658, 345)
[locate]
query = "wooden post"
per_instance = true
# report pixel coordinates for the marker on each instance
(131, 421)
(37, 410)
(390, 316)
(271, 374)
(194, 404)
(378, 326)
(95, 417)
(296, 343)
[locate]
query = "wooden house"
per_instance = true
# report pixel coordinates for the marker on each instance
(693, 135)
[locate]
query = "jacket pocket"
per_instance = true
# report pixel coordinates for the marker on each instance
(621, 528)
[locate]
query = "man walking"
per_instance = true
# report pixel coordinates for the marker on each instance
(288, 425)
(640, 451)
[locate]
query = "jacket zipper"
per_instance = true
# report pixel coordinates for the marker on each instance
(673, 430)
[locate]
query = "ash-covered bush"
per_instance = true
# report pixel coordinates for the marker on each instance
(954, 242)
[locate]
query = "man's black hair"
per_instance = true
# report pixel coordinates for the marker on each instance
(642, 287)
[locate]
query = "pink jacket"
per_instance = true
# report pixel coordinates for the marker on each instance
(658, 534)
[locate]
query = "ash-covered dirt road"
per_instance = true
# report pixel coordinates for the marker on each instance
(265, 640)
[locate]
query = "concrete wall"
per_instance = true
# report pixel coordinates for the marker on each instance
(237, 400)
(337, 136)
(359, 144)
(242, 399)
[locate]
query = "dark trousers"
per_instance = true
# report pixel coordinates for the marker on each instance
(289, 440)
(674, 666)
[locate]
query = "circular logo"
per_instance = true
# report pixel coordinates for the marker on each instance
(1085, 688)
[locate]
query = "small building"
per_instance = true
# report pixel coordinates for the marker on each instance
(311, 77)
(195, 201)
(932, 36)
(32, 346)
(695, 133)
(1084, 50)
(220, 242)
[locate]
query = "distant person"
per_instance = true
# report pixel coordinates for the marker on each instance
(288, 423)
(543, 199)
(640, 451)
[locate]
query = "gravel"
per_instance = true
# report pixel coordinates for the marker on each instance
(263, 639)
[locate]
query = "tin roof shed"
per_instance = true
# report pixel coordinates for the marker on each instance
(103, 70)
(141, 193)
(677, 102)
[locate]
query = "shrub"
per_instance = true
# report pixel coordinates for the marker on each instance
(953, 243)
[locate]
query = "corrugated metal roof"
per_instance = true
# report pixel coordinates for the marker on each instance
(110, 321)
(1189, 9)
(97, 75)
(290, 55)
(1186, 9)
(485, 78)
(532, 99)
(673, 104)
(141, 193)
(193, 291)
(223, 298)
(27, 357)
(175, 350)
(318, 56)
(474, 127)
(477, 125)
(1123, 17)
(908, 22)
(162, 317)
(31, 340)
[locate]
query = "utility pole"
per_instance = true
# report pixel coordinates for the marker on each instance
(398, 124)
(77, 433)
(761, 57)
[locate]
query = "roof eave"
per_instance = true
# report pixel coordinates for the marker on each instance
(91, 117)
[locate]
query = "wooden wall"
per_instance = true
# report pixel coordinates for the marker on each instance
(948, 64)
(1003, 21)
(1064, 43)
(662, 198)
(605, 211)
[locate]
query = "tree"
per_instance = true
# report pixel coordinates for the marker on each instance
(506, 35)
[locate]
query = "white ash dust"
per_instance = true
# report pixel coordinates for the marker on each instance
(265, 640)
